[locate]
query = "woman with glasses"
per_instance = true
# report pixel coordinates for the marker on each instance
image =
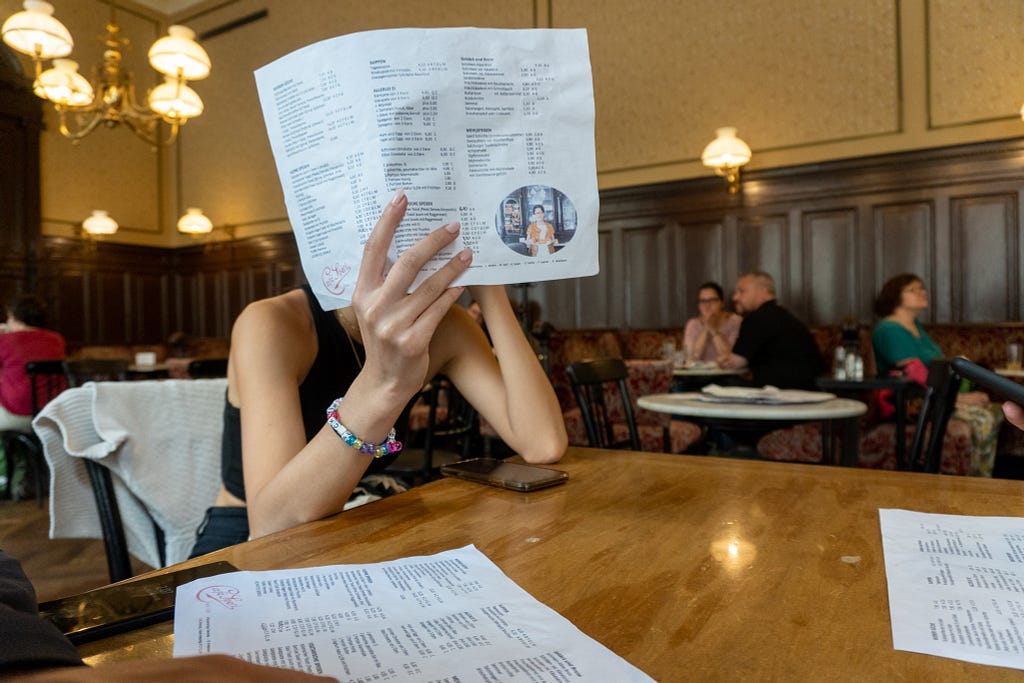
(903, 347)
(712, 333)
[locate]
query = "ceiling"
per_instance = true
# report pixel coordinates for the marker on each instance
(169, 7)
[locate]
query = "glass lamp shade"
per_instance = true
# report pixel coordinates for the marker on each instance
(194, 223)
(63, 85)
(726, 150)
(99, 223)
(34, 31)
(178, 55)
(175, 101)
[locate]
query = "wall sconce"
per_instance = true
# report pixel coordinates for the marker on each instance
(99, 223)
(726, 154)
(195, 223)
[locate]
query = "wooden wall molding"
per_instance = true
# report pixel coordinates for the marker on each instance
(829, 233)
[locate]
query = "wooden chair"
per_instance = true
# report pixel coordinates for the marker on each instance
(202, 368)
(936, 408)
(78, 372)
(47, 381)
(589, 379)
(451, 422)
(82, 370)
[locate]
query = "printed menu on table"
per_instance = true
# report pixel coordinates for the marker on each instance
(493, 128)
(453, 616)
(956, 585)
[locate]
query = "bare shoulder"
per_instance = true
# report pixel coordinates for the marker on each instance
(277, 331)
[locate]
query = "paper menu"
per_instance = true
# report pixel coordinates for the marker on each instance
(477, 125)
(444, 617)
(956, 585)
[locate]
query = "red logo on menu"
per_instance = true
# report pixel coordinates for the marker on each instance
(222, 595)
(333, 278)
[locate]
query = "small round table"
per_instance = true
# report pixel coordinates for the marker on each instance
(719, 414)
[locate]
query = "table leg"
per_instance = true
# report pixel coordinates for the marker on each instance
(901, 430)
(851, 442)
(828, 441)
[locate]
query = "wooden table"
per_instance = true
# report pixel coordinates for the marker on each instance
(897, 384)
(691, 568)
(154, 371)
(732, 416)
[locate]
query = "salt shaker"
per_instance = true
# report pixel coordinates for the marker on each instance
(839, 363)
(851, 364)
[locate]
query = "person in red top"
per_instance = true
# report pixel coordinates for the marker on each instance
(23, 340)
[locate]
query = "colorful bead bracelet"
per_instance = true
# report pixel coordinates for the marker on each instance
(392, 445)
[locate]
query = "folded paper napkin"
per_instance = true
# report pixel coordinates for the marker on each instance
(161, 441)
(767, 394)
(701, 365)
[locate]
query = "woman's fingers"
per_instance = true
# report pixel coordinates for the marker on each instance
(411, 262)
(375, 253)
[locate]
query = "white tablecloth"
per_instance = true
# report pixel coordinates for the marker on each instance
(161, 441)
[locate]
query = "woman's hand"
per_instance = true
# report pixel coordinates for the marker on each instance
(1014, 413)
(396, 327)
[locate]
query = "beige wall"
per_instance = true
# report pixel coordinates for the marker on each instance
(803, 80)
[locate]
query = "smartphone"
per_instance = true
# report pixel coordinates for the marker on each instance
(507, 475)
(123, 607)
(997, 384)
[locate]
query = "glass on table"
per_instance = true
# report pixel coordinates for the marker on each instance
(1013, 356)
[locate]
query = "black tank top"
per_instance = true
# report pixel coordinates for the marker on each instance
(337, 363)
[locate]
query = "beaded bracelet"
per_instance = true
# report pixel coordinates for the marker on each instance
(392, 445)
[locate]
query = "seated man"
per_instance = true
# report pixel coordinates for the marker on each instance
(777, 348)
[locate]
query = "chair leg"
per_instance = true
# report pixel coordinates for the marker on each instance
(40, 472)
(8, 473)
(118, 560)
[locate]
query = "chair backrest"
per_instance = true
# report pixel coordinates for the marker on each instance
(82, 370)
(208, 367)
(48, 380)
(936, 409)
(589, 379)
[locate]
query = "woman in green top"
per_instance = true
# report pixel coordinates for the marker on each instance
(899, 338)
(902, 345)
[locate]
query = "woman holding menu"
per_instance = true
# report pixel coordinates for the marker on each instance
(316, 398)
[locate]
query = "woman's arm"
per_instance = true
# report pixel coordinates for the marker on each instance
(273, 345)
(695, 338)
(507, 386)
(723, 345)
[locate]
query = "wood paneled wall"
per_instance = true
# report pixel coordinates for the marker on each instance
(117, 294)
(831, 234)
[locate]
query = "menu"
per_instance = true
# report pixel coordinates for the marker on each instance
(956, 585)
(449, 617)
(492, 128)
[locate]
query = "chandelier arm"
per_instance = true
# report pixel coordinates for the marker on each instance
(81, 131)
(145, 128)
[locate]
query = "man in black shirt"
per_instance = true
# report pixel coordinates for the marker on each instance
(777, 348)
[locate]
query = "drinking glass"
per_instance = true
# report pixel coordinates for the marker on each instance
(1013, 356)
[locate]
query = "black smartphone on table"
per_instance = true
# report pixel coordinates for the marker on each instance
(123, 607)
(507, 475)
(1004, 387)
